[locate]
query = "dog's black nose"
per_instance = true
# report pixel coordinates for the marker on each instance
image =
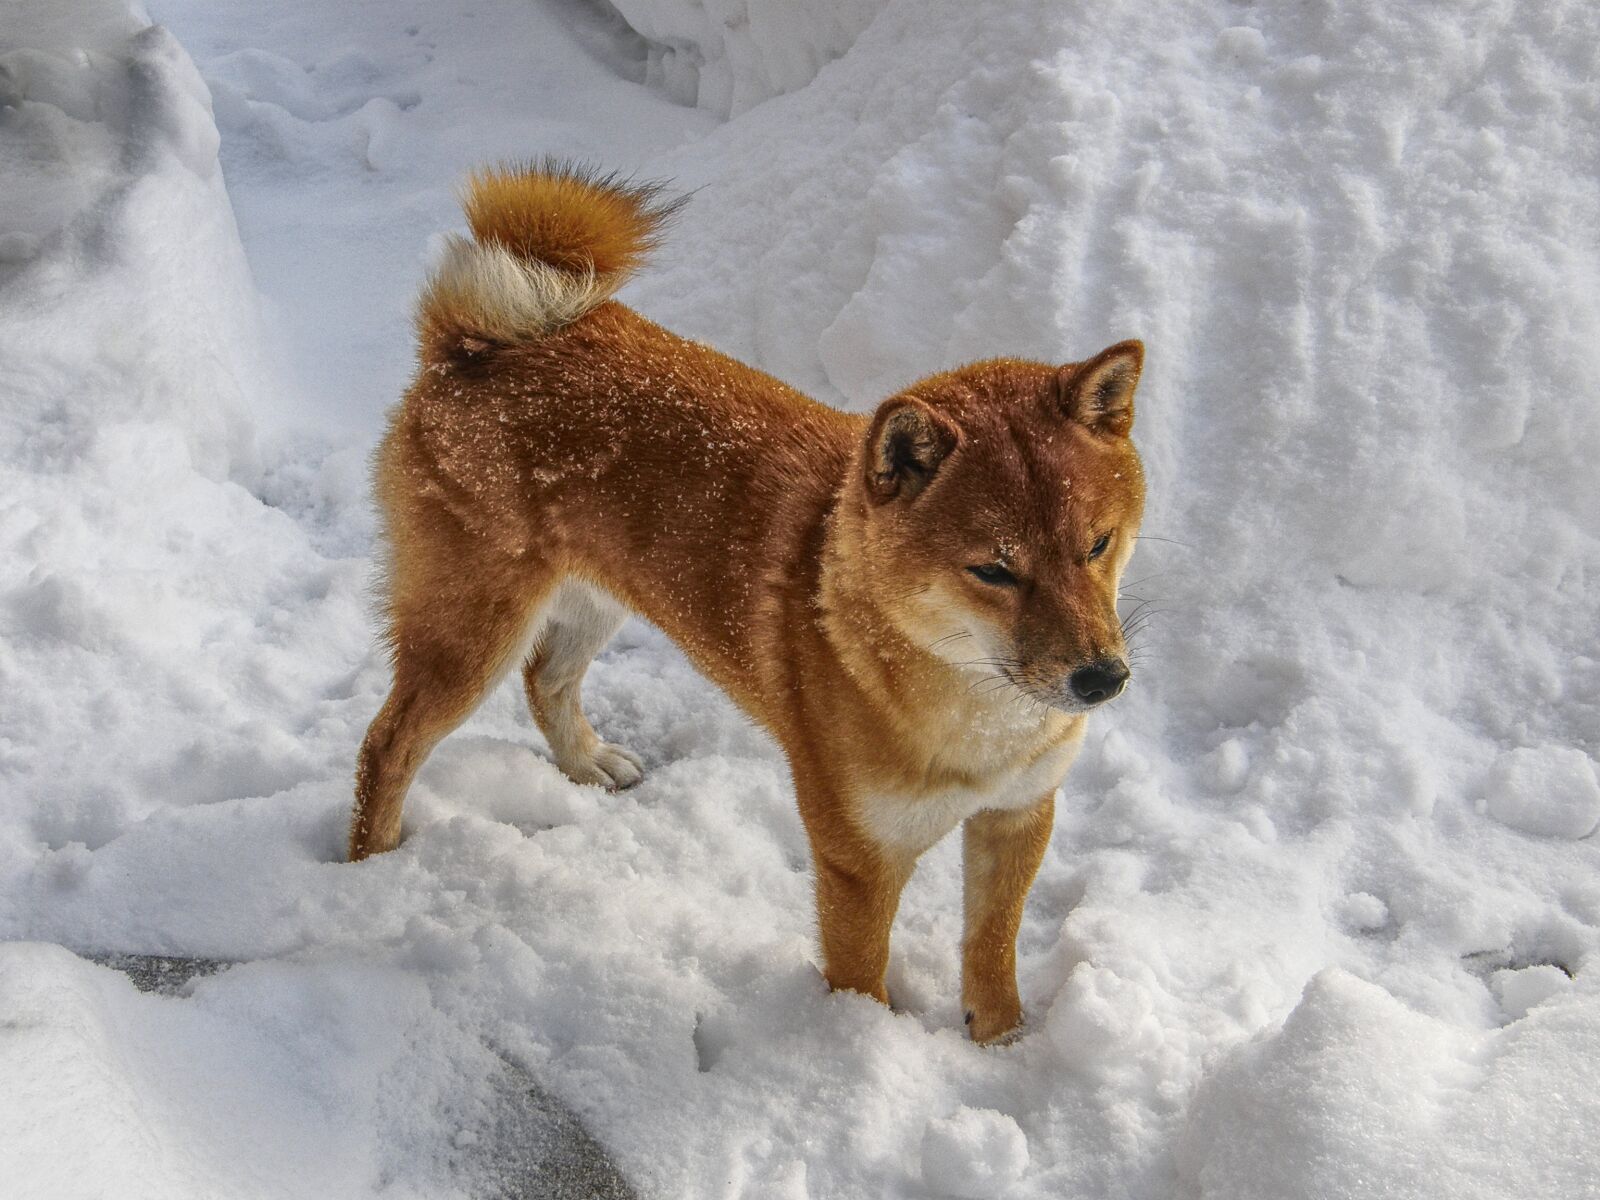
(1100, 681)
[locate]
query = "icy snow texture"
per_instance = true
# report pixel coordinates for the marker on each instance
(1359, 241)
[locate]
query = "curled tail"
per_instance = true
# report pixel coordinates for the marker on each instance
(550, 241)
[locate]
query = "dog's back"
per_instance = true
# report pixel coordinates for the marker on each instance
(580, 438)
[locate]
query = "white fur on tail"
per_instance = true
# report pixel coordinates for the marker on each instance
(508, 299)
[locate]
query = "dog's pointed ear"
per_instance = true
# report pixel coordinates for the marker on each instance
(905, 446)
(1099, 393)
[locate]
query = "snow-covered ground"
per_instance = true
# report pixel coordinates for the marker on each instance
(1321, 918)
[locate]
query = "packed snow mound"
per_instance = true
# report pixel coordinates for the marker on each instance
(729, 55)
(1103, 1025)
(976, 1153)
(1546, 790)
(113, 199)
(1355, 1089)
(253, 1084)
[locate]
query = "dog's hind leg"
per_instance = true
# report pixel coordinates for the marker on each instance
(453, 639)
(574, 627)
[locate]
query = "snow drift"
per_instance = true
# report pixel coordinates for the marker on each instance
(150, 615)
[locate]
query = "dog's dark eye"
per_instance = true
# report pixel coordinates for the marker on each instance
(1099, 547)
(994, 573)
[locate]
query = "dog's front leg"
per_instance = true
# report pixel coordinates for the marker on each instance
(1001, 852)
(857, 895)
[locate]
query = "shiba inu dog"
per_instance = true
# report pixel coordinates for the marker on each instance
(919, 605)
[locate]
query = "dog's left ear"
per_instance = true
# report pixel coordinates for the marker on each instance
(1099, 393)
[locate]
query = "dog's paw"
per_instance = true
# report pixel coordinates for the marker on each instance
(607, 766)
(1000, 1027)
(622, 767)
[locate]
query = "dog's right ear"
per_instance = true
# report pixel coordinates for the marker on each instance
(1099, 393)
(905, 445)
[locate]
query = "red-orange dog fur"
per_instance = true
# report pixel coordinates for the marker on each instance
(920, 606)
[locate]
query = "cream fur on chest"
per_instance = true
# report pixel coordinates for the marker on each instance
(912, 821)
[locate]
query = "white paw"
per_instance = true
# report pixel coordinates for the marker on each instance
(606, 766)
